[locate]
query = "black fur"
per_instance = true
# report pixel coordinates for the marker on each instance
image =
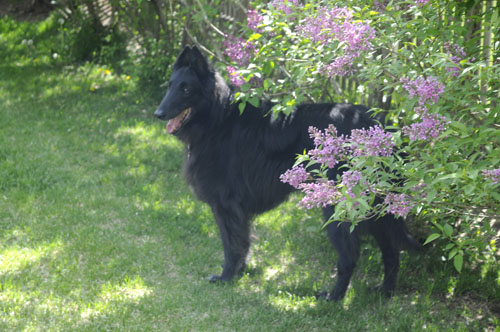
(233, 162)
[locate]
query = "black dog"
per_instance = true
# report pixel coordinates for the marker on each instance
(234, 163)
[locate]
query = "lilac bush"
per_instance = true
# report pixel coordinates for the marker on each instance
(443, 116)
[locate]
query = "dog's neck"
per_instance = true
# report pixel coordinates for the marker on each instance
(222, 91)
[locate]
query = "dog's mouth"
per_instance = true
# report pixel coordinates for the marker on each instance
(176, 123)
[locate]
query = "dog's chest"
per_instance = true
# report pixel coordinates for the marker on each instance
(205, 172)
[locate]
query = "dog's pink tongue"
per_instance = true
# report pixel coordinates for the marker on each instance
(173, 124)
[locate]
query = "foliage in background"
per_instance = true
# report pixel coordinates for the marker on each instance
(442, 78)
(139, 37)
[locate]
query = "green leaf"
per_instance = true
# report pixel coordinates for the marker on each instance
(449, 246)
(241, 106)
(268, 68)
(365, 205)
(448, 230)
(267, 84)
(468, 189)
(458, 262)
(431, 194)
(452, 253)
(446, 176)
(432, 237)
(255, 36)
(254, 101)
(495, 195)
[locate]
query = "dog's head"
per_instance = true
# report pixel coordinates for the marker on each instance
(190, 77)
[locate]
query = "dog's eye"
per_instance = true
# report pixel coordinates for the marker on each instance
(185, 90)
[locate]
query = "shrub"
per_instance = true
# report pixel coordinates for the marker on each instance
(443, 116)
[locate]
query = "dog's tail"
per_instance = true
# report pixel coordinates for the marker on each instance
(406, 240)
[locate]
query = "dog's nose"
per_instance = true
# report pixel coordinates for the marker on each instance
(159, 113)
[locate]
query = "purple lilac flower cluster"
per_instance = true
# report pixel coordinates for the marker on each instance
(421, 2)
(426, 89)
(317, 194)
(456, 54)
(399, 204)
(338, 24)
(239, 50)
(295, 176)
(493, 175)
(329, 148)
(373, 141)
(326, 25)
(321, 193)
(254, 19)
(418, 188)
(341, 66)
(350, 179)
(431, 126)
(235, 77)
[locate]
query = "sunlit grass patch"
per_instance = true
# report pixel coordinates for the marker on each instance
(290, 302)
(14, 258)
(128, 291)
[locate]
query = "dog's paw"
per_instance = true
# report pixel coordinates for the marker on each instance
(218, 279)
(328, 297)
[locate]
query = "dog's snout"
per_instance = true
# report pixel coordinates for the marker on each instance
(159, 113)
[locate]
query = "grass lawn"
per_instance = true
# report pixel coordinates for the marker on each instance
(98, 232)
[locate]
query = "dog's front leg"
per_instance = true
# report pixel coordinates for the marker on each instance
(234, 229)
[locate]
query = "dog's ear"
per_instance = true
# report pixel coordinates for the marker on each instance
(193, 58)
(183, 58)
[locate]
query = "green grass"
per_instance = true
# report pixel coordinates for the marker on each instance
(98, 232)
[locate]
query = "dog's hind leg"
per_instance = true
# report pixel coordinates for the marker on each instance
(234, 229)
(347, 246)
(386, 231)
